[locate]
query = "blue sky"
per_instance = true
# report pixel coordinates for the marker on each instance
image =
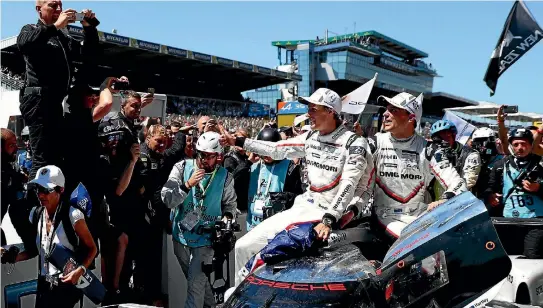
(458, 36)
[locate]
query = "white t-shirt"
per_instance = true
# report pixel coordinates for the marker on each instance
(58, 237)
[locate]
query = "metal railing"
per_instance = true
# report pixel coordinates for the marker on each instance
(11, 84)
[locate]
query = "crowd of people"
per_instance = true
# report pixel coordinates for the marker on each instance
(136, 180)
(252, 125)
(198, 106)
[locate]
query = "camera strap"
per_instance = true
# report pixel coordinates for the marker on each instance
(530, 166)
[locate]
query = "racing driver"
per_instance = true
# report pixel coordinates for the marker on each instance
(405, 166)
(337, 160)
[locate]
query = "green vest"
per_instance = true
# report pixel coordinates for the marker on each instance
(209, 209)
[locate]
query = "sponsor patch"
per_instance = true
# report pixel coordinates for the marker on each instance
(357, 150)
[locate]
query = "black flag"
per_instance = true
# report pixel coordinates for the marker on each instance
(520, 33)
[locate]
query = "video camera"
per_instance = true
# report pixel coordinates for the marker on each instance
(223, 237)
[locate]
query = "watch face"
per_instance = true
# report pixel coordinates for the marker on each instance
(69, 267)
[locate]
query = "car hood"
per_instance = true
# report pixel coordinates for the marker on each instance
(345, 263)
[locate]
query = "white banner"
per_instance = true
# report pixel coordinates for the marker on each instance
(464, 128)
(355, 102)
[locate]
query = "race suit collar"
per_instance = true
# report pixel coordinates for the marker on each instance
(335, 133)
(402, 139)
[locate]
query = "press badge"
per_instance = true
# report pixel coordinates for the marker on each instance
(258, 209)
(190, 221)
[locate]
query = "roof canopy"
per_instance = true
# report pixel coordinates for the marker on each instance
(392, 46)
(130, 54)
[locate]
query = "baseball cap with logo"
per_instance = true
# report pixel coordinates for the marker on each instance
(324, 97)
(406, 102)
(49, 177)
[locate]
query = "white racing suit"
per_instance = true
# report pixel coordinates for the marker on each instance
(336, 164)
(404, 170)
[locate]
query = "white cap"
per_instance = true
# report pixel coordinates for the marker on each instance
(209, 142)
(407, 102)
(324, 97)
(49, 177)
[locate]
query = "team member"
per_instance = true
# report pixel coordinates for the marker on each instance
(157, 163)
(238, 164)
(55, 289)
(24, 157)
(515, 184)
(466, 162)
(201, 191)
(123, 186)
(337, 160)
(269, 176)
(49, 55)
(13, 191)
(406, 166)
(484, 142)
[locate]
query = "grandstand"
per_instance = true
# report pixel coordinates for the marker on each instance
(486, 113)
(344, 62)
(181, 74)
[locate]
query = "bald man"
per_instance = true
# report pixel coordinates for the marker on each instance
(49, 53)
(207, 124)
(12, 196)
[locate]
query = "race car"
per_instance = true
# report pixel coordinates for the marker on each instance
(440, 260)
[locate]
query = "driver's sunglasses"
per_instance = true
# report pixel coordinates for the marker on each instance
(206, 156)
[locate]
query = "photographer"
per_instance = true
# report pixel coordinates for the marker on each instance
(272, 184)
(49, 53)
(515, 185)
(201, 191)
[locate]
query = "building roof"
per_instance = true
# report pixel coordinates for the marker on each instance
(137, 55)
(392, 46)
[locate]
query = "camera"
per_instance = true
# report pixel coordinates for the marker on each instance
(120, 85)
(79, 16)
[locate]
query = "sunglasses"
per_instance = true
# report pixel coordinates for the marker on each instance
(206, 156)
(42, 190)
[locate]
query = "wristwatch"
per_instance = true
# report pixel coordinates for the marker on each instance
(327, 222)
(84, 269)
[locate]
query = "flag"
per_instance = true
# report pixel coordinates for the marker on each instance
(355, 102)
(520, 33)
(463, 128)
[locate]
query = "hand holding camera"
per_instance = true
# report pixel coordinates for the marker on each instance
(65, 18)
(529, 186)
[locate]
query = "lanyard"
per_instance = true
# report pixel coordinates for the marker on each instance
(201, 186)
(49, 237)
(260, 180)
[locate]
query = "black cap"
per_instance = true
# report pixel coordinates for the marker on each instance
(521, 133)
(269, 134)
